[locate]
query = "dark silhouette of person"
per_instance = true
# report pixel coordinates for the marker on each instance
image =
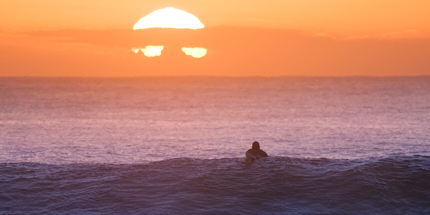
(255, 153)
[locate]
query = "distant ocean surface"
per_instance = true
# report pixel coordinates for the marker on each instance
(176, 145)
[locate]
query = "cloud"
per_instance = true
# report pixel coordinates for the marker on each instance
(233, 52)
(325, 35)
(387, 35)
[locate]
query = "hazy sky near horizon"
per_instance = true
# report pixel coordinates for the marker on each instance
(242, 37)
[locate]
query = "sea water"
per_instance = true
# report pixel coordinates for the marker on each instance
(176, 145)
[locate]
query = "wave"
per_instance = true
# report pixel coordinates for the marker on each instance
(393, 185)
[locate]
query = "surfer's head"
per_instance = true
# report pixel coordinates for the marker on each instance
(255, 145)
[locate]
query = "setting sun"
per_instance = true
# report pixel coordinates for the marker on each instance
(196, 52)
(169, 18)
(152, 51)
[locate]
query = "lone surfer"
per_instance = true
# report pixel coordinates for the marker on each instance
(255, 153)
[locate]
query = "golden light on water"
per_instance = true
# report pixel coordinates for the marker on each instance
(169, 18)
(196, 52)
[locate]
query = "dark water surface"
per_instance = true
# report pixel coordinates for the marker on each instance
(176, 145)
(276, 185)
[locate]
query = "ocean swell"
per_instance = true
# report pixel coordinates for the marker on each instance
(391, 185)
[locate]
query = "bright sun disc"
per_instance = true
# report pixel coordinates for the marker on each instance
(196, 52)
(152, 51)
(169, 18)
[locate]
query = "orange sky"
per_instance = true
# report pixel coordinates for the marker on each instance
(329, 16)
(272, 37)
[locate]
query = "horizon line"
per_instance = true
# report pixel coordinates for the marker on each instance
(214, 76)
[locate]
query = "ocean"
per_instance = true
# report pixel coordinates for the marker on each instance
(176, 145)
